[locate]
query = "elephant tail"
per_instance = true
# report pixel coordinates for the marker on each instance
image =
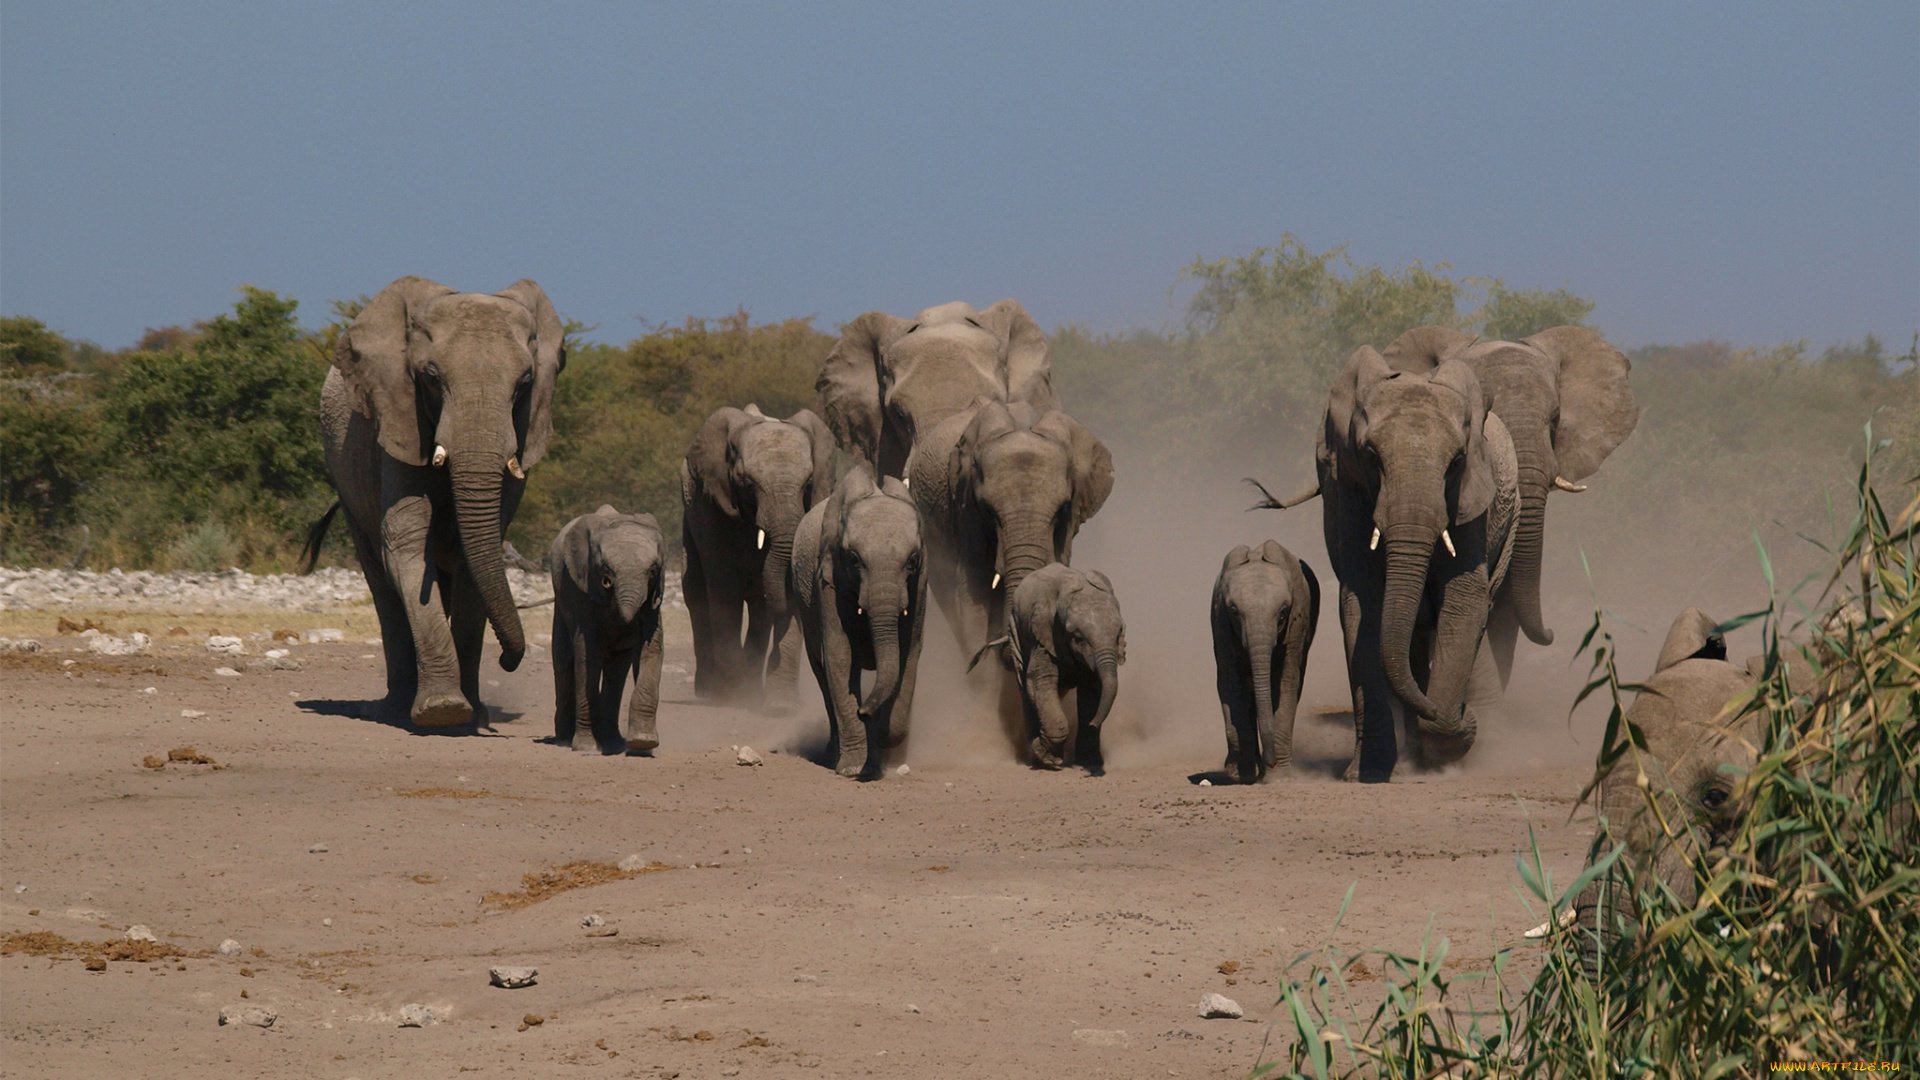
(988, 647)
(317, 535)
(1268, 502)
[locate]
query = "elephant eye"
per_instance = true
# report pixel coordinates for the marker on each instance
(1715, 797)
(432, 372)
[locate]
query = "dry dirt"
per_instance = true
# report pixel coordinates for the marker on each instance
(971, 919)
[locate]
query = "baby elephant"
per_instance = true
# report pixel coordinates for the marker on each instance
(606, 621)
(1064, 632)
(859, 589)
(1265, 606)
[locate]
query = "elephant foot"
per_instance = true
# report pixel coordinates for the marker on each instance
(442, 710)
(642, 747)
(1046, 755)
(1278, 774)
(851, 768)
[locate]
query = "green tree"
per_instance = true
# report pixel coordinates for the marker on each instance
(27, 347)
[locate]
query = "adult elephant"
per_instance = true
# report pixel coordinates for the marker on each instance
(1564, 397)
(1002, 490)
(437, 405)
(747, 480)
(1419, 494)
(890, 379)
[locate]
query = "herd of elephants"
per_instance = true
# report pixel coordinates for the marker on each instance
(969, 481)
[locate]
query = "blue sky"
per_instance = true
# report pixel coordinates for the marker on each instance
(1746, 171)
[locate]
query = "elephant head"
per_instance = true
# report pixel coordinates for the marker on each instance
(616, 559)
(1266, 605)
(872, 534)
(1701, 738)
(1023, 483)
(889, 379)
(765, 474)
(1409, 450)
(462, 381)
(1564, 397)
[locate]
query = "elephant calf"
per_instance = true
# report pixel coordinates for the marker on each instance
(1266, 604)
(606, 621)
(1064, 632)
(858, 588)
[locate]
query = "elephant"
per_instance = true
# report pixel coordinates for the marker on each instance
(1065, 633)
(859, 589)
(607, 588)
(1002, 491)
(745, 483)
(1419, 492)
(436, 406)
(1564, 397)
(889, 379)
(1266, 604)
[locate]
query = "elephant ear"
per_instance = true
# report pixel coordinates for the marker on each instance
(1023, 354)
(849, 382)
(1092, 463)
(1422, 348)
(1346, 423)
(1239, 556)
(1691, 638)
(1100, 582)
(991, 419)
(1478, 481)
(708, 462)
(822, 439)
(549, 358)
(1597, 410)
(373, 355)
(575, 553)
(1272, 552)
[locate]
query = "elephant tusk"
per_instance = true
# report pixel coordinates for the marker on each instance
(1448, 540)
(513, 466)
(907, 482)
(1564, 484)
(1565, 919)
(439, 455)
(996, 580)
(903, 613)
(859, 611)
(1374, 544)
(760, 541)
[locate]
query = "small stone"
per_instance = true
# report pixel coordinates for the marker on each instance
(247, 1014)
(324, 633)
(317, 849)
(191, 714)
(229, 947)
(275, 654)
(20, 888)
(151, 690)
(747, 756)
(593, 920)
(99, 963)
(902, 771)
(137, 932)
(226, 646)
(512, 978)
(417, 1015)
(913, 1008)
(806, 978)
(634, 862)
(226, 672)
(1206, 783)
(326, 922)
(1220, 1007)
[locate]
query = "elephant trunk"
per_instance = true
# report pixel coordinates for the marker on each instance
(477, 476)
(1109, 671)
(1529, 533)
(884, 616)
(628, 598)
(1409, 551)
(779, 516)
(1260, 645)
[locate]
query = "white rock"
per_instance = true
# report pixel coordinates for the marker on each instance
(902, 771)
(151, 690)
(226, 646)
(226, 672)
(317, 849)
(229, 947)
(324, 633)
(593, 920)
(192, 714)
(512, 978)
(634, 862)
(1220, 1007)
(275, 654)
(417, 1015)
(19, 645)
(20, 888)
(137, 932)
(247, 1014)
(108, 645)
(90, 632)
(913, 1008)
(326, 922)
(1206, 783)
(747, 756)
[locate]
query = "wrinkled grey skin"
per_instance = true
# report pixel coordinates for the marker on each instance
(1266, 604)
(859, 589)
(607, 588)
(1699, 746)
(1002, 491)
(888, 380)
(1407, 447)
(423, 367)
(746, 481)
(1564, 397)
(1065, 633)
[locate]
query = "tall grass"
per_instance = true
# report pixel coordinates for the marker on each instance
(1803, 944)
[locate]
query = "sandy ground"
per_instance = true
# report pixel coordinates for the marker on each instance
(971, 919)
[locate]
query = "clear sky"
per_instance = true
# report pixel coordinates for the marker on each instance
(1749, 171)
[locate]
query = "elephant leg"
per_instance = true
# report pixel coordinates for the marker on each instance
(899, 715)
(1046, 717)
(590, 664)
(841, 687)
(606, 706)
(783, 667)
(566, 702)
(1503, 631)
(468, 619)
(1236, 709)
(581, 648)
(724, 611)
(1373, 742)
(642, 736)
(1086, 739)
(694, 590)
(438, 700)
(396, 636)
